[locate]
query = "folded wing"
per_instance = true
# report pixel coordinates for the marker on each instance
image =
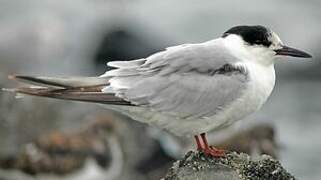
(195, 80)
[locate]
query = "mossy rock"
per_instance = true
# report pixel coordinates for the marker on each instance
(233, 166)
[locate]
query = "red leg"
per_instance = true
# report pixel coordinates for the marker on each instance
(198, 143)
(204, 141)
(209, 150)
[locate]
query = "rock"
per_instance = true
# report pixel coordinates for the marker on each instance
(234, 166)
(102, 145)
(64, 152)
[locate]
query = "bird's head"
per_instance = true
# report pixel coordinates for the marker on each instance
(258, 43)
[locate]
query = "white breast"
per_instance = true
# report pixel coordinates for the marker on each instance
(260, 85)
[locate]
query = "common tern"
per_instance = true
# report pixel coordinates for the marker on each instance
(188, 89)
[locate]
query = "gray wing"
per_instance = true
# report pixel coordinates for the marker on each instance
(193, 80)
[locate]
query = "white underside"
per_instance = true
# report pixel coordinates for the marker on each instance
(258, 89)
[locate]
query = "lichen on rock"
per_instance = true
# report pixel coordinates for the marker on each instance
(233, 166)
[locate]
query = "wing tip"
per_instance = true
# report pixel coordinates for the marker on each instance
(19, 77)
(12, 76)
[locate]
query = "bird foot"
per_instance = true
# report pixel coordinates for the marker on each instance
(202, 145)
(215, 152)
(212, 151)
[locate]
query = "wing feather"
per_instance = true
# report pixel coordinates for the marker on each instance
(60, 81)
(126, 64)
(87, 89)
(192, 80)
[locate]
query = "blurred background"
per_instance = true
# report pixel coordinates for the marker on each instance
(53, 139)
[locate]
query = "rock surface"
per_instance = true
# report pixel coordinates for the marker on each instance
(234, 166)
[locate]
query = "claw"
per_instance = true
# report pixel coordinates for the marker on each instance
(217, 152)
(208, 150)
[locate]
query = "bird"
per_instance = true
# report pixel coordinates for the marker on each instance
(188, 89)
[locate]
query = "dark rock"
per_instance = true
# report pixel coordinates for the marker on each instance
(234, 166)
(125, 43)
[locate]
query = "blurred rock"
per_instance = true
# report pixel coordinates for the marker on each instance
(256, 140)
(234, 166)
(63, 153)
(105, 148)
(156, 165)
(123, 44)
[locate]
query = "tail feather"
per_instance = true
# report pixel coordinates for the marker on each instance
(61, 81)
(87, 89)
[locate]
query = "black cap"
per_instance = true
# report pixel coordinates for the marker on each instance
(254, 35)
